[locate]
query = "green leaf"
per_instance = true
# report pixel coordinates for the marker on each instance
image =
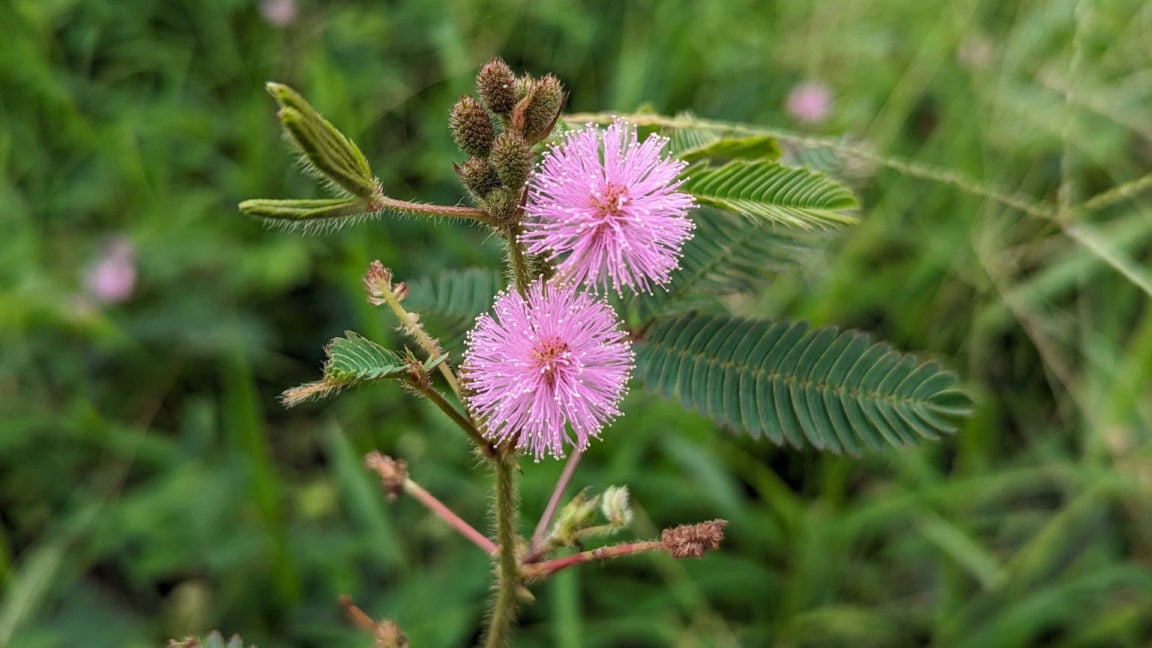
(450, 303)
(768, 191)
(753, 147)
(355, 360)
(831, 389)
(304, 210)
(332, 155)
(325, 156)
(730, 255)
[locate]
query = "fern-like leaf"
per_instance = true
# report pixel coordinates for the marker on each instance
(355, 360)
(834, 390)
(768, 191)
(730, 255)
(449, 304)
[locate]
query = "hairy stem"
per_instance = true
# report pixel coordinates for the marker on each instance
(520, 272)
(547, 568)
(411, 326)
(458, 417)
(451, 211)
(507, 564)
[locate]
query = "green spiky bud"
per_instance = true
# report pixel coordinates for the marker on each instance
(494, 84)
(512, 158)
(543, 108)
(478, 176)
(523, 86)
(471, 127)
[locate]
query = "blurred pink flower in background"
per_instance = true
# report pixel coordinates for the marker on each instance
(112, 278)
(810, 102)
(278, 13)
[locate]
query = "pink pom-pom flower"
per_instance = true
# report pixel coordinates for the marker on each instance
(607, 209)
(543, 363)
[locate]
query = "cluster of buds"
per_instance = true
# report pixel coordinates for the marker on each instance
(497, 129)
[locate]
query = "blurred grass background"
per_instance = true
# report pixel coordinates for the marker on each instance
(150, 485)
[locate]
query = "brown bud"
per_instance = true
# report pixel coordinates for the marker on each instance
(471, 127)
(494, 84)
(479, 177)
(543, 108)
(512, 158)
(693, 540)
(392, 472)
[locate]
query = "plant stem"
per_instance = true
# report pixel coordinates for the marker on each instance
(519, 264)
(413, 328)
(545, 569)
(534, 548)
(503, 611)
(443, 512)
(451, 211)
(457, 417)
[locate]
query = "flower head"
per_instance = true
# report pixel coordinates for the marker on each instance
(552, 358)
(611, 205)
(112, 278)
(810, 102)
(279, 13)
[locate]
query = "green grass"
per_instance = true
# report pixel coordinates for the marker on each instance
(151, 487)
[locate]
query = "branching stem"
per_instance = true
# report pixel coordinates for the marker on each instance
(413, 328)
(546, 569)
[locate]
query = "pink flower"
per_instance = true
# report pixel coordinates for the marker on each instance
(278, 13)
(610, 206)
(810, 102)
(113, 277)
(554, 358)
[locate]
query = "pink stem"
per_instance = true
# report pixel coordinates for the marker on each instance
(553, 502)
(446, 514)
(547, 568)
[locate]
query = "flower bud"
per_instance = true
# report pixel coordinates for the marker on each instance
(471, 127)
(575, 516)
(543, 108)
(478, 176)
(494, 84)
(693, 540)
(512, 158)
(614, 505)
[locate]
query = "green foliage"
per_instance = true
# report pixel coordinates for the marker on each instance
(277, 211)
(833, 390)
(450, 302)
(324, 150)
(730, 255)
(789, 196)
(355, 360)
(693, 145)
